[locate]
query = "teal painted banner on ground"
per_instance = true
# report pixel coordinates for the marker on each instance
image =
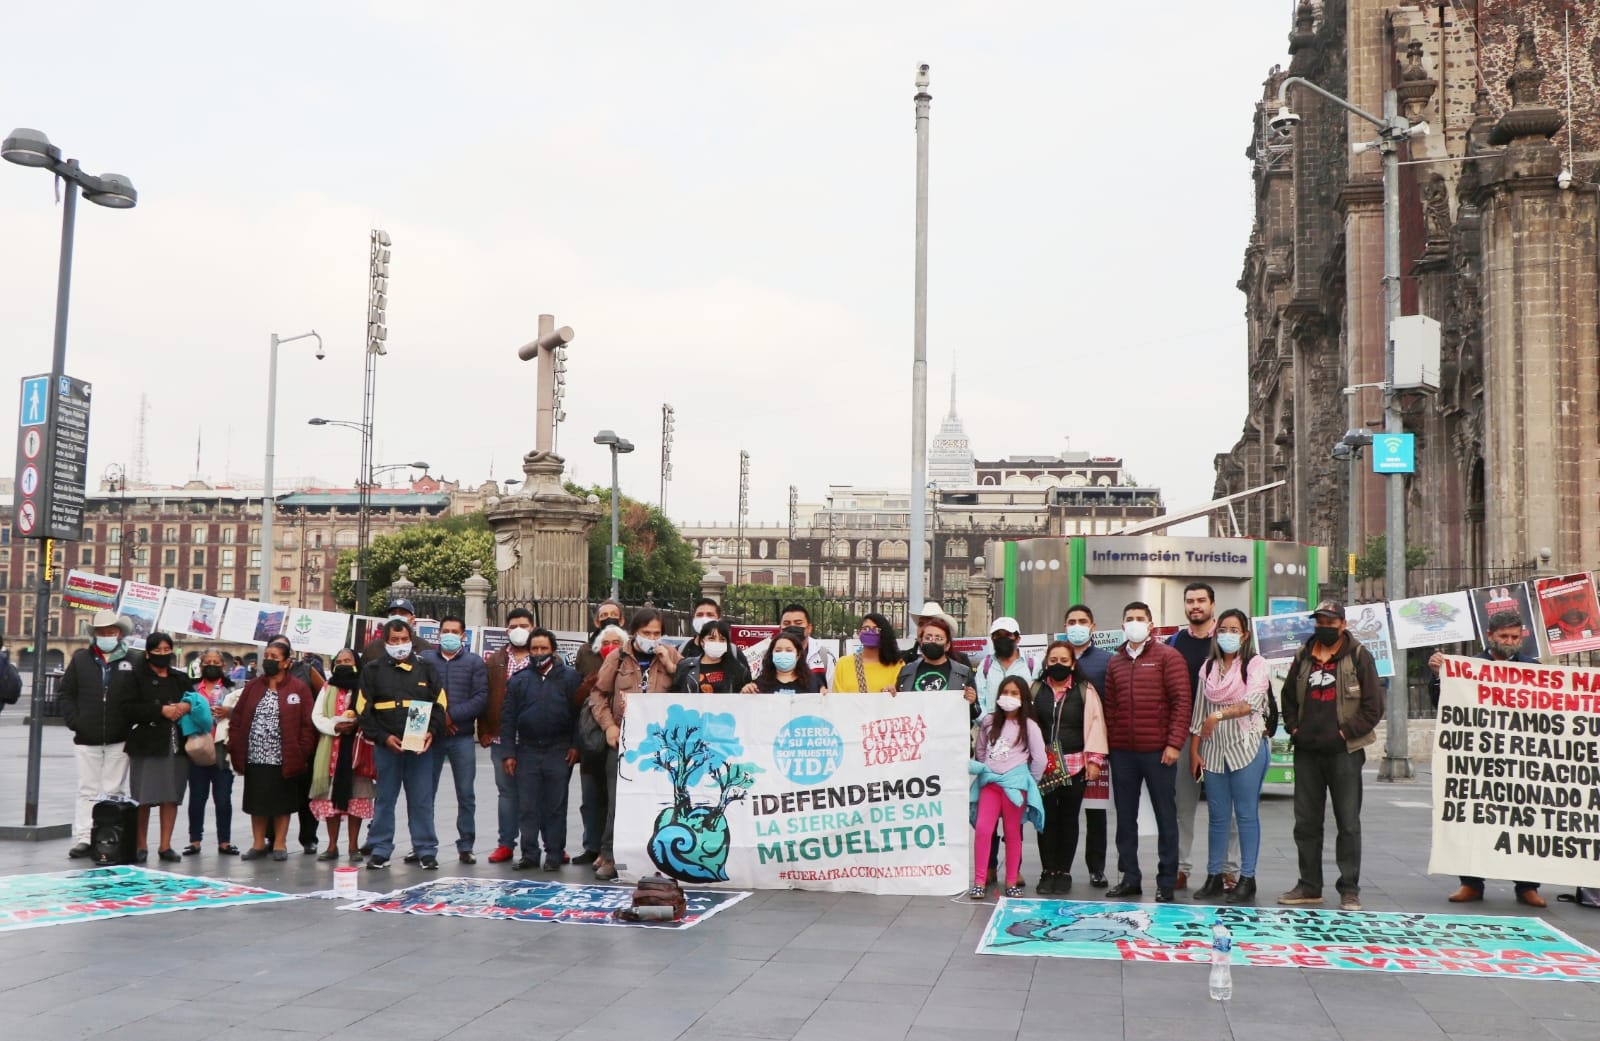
(1295, 938)
(530, 900)
(60, 897)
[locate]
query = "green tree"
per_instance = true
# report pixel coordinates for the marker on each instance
(1374, 562)
(438, 554)
(655, 557)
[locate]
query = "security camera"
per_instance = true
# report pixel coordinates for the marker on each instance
(1564, 180)
(1341, 451)
(1285, 120)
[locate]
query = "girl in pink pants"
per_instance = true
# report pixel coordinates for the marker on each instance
(1008, 760)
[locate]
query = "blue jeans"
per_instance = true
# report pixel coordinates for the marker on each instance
(216, 782)
(462, 752)
(1128, 771)
(412, 771)
(508, 807)
(1231, 793)
(543, 780)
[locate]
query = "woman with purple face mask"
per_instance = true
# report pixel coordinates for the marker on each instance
(874, 668)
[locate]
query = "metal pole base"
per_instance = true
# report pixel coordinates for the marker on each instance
(1396, 768)
(34, 832)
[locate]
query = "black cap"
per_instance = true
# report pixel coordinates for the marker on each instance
(1330, 607)
(400, 603)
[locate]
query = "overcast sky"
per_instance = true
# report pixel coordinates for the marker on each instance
(717, 197)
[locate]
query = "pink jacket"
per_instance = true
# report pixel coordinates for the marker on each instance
(619, 675)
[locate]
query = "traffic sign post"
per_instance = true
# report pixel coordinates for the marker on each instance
(52, 458)
(616, 562)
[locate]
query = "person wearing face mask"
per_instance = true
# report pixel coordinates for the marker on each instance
(540, 729)
(1506, 636)
(500, 667)
(587, 660)
(213, 782)
(158, 768)
(390, 691)
(783, 671)
(466, 680)
(343, 771)
(706, 611)
(398, 609)
(1333, 702)
(716, 668)
(642, 665)
(271, 741)
(1067, 708)
(1008, 758)
(1090, 663)
(933, 668)
(307, 670)
(95, 689)
(593, 782)
(1147, 701)
(876, 666)
(1194, 642)
(1231, 751)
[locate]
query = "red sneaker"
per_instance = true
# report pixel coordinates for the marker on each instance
(500, 855)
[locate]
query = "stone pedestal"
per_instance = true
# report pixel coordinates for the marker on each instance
(712, 585)
(541, 543)
(475, 591)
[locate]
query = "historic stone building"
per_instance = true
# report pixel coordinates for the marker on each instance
(1498, 243)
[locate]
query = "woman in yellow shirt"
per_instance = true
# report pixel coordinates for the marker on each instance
(874, 668)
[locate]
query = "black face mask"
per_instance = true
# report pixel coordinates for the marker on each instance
(1004, 645)
(539, 661)
(1058, 671)
(159, 661)
(270, 666)
(345, 676)
(211, 672)
(932, 651)
(1327, 635)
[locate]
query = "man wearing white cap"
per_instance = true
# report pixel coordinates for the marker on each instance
(95, 690)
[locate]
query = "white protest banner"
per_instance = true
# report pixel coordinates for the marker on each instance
(246, 621)
(319, 632)
(1516, 772)
(1427, 621)
(187, 613)
(1369, 623)
(141, 605)
(857, 792)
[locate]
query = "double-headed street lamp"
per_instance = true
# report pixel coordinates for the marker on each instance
(618, 446)
(27, 147)
(364, 496)
(269, 506)
(1348, 449)
(1393, 129)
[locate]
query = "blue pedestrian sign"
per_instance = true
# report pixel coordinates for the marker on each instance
(1394, 453)
(35, 400)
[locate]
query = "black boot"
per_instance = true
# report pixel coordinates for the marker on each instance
(1244, 892)
(1212, 889)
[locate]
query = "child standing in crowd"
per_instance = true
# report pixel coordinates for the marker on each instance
(1008, 760)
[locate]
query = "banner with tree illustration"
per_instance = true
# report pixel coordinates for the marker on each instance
(859, 792)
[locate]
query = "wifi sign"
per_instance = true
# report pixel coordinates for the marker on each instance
(1394, 454)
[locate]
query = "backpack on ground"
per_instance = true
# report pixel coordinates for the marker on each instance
(656, 898)
(113, 833)
(1582, 896)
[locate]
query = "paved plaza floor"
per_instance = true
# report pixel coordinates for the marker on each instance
(779, 965)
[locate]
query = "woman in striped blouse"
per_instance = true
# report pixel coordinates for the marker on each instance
(1229, 721)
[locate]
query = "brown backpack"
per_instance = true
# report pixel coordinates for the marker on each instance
(656, 891)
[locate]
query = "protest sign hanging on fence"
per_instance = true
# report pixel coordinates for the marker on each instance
(1428, 621)
(1516, 772)
(863, 792)
(1569, 613)
(1488, 601)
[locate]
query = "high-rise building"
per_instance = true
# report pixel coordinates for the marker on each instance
(950, 454)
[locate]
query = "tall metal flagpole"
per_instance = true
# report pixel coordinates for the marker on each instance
(919, 356)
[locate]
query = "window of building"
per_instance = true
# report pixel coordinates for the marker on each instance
(255, 535)
(761, 550)
(142, 557)
(255, 559)
(30, 555)
(783, 548)
(836, 580)
(86, 555)
(283, 584)
(55, 625)
(141, 576)
(114, 557)
(199, 558)
(225, 582)
(169, 556)
(114, 534)
(344, 537)
(285, 560)
(171, 535)
(956, 549)
(200, 534)
(317, 536)
(169, 579)
(287, 539)
(227, 558)
(227, 534)
(83, 624)
(143, 535)
(255, 583)
(197, 580)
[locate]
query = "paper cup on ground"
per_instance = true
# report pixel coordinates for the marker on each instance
(346, 882)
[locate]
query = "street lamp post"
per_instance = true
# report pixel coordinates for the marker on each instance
(919, 352)
(1393, 129)
(116, 478)
(363, 496)
(618, 446)
(744, 508)
(269, 506)
(27, 147)
(1349, 448)
(668, 423)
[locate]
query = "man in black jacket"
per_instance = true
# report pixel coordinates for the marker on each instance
(10, 679)
(94, 695)
(397, 693)
(539, 728)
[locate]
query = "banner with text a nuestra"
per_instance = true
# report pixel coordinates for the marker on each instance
(1516, 772)
(845, 792)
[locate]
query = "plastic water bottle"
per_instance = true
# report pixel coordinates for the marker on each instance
(1221, 962)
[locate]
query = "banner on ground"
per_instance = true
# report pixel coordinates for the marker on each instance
(246, 621)
(1516, 772)
(862, 792)
(1427, 621)
(1488, 601)
(1495, 946)
(87, 591)
(532, 900)
(1568, 612)
(141, 604)
(60, 897)
(187, 613)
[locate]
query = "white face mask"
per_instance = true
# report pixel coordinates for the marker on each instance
(701, 622)
(398, 651)
(519, 637)
(1008, 703)
(715, 649)
(644, 645)
(1136, 632)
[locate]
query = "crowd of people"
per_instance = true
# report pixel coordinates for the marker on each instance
(1165, 718)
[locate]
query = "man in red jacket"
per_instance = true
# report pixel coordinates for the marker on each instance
(1147, 701)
